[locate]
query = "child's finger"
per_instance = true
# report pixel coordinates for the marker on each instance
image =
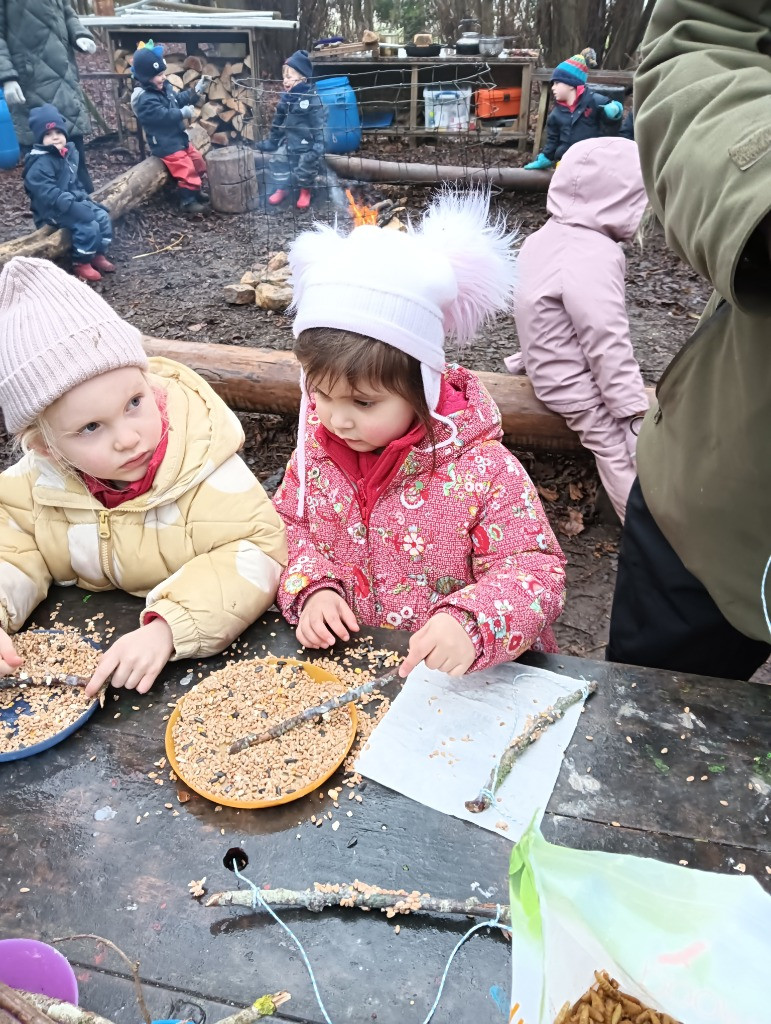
(8, 653)
(421, 646)
(336, 624)
(98, 679)
(348, 617)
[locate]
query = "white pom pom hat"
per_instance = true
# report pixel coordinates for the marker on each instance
(414, 290)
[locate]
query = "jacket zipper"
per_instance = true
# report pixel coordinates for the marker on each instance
(105, 545)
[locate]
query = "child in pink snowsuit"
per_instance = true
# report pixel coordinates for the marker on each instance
(570, 309)
(402, 506)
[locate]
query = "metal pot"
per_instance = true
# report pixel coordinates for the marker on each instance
(468, 44)
(490, 46)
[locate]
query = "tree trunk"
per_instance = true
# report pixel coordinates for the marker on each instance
(264, 380)
(119, 195)
(403, 173)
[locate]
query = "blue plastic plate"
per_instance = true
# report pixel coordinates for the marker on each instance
(8, 718)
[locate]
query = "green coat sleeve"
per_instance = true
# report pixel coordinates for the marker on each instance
(703, 126)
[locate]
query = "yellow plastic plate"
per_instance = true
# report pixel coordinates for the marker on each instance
(319, 675)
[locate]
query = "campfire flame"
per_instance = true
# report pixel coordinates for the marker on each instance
(361, 214)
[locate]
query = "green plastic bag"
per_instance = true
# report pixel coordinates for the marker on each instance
(693, 944)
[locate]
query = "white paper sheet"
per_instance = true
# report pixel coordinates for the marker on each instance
(442, 737)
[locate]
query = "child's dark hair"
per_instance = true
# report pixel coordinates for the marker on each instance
(329, 355)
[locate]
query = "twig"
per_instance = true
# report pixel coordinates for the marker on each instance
(18, 1009)
(266, 1006)
(21, 683)
(171, 245)
(59, 1012)
(252, 739)
(344, 895)
(534, 729)
(132, 965)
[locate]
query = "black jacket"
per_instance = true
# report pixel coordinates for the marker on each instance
(158, 111)
(299, 121)
(51, 182)
(564, 128)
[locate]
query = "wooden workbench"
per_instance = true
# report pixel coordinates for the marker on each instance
(128, 881)
(397, 83)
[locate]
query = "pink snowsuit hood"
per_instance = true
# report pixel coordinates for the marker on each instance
(599, 185)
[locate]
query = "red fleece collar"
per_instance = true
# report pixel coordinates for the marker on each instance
(371, 472)
(112, 497)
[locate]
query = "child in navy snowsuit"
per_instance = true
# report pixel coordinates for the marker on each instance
(296, 137)
(578, 113)
(162, 112)
(58, 198)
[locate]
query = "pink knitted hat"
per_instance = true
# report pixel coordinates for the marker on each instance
(440, 279)
(55, 332)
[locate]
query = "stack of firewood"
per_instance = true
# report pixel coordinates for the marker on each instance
(265, 285)
(229, 111)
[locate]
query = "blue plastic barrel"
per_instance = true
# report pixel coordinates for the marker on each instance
(9, 144)
(342, 126)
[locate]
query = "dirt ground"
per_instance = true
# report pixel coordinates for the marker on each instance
(171, 272)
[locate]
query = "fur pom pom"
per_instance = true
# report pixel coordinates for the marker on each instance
(322, 245)
(457, 227)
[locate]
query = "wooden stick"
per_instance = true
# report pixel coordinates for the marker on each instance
(363, 169)
(59, 1012)
(252, 739)
(534, 729)
(17, 1007)
(344, 895)
(22, 682)
(133, 966)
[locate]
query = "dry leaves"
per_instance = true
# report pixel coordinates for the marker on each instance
(572, 525)
(197, 888)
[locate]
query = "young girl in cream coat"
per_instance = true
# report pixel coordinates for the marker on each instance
(130, 480)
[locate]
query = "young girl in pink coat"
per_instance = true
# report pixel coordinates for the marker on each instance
(570, 308)
(402, 506)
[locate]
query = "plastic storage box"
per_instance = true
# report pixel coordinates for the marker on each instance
(497, 102)
(447, 107)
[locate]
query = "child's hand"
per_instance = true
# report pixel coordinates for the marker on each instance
(135, 660)
(443, 644)
(9, 659)
(324, 611)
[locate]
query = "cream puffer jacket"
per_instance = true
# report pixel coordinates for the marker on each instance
(204, 546)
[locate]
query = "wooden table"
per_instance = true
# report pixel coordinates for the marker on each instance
(128, 881)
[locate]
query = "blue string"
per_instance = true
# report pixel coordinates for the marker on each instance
(763, 594)
(257, 898)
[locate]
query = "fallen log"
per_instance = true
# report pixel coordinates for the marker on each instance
(265, 380)
(119, 195)
(361, 169)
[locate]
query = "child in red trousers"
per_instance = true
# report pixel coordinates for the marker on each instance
(162, 112)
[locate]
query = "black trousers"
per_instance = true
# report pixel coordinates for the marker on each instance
(662, 617)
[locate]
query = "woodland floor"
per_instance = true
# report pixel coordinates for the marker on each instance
(177, 293)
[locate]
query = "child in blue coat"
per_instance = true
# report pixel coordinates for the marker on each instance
(296, 137)
(578, 112)
(58, 198)
(162, 112)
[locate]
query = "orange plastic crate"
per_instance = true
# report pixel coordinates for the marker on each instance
(497, 102)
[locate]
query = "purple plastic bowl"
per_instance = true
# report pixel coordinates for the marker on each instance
(36, 967)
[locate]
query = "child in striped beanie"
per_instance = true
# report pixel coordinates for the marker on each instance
(579, 113)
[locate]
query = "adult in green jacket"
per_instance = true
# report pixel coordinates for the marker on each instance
(697, 536)
(38, 39)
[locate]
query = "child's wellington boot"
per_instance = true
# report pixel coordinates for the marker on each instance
(100, 262)
(189, 204)
(85, 272)
(304, 199)
(278, 196)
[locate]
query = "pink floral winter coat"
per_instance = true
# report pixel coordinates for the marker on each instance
(471, 540)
